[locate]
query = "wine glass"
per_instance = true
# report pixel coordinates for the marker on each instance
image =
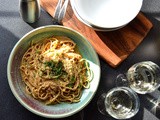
(142, 77)
(120, 103)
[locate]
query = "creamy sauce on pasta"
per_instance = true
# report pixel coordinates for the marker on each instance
(54, 71)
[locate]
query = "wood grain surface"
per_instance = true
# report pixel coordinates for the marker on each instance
(114, 46)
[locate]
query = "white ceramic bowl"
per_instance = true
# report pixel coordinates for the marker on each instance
(106, 14)
(17, 86)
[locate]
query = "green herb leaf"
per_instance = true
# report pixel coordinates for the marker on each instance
(56, 68)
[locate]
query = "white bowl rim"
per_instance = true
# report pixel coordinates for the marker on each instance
(84, 16)
(90, 25)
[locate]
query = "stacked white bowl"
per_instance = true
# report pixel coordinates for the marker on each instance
(106, 15)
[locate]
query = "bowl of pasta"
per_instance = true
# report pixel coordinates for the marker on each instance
(53, 71)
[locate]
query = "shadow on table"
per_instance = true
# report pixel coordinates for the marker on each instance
(7, 41)
(151, 103)
(45, 19)
(151, 9)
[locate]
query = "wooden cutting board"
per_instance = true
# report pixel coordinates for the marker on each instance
(114, 46)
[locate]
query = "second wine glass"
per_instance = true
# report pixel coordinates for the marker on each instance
(120, 103)
(142, 77)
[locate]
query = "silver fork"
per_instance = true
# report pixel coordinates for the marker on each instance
(60, 12)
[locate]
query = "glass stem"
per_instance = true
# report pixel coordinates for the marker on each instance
(121, 81)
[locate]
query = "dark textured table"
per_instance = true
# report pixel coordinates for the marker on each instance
(12, 28)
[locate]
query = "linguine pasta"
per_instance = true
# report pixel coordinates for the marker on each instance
(54, 71)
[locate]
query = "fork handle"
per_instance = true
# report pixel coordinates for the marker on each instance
(57, 10)
(63, 11)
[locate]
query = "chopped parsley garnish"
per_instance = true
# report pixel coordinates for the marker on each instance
(56, 68)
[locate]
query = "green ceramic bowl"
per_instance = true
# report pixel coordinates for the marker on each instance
(17, 86)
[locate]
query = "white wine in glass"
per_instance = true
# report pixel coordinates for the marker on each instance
(144, 77)
(120, 103)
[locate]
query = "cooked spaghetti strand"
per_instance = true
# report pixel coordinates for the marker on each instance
(54, 71)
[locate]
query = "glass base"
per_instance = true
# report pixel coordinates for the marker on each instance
(101, 105)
